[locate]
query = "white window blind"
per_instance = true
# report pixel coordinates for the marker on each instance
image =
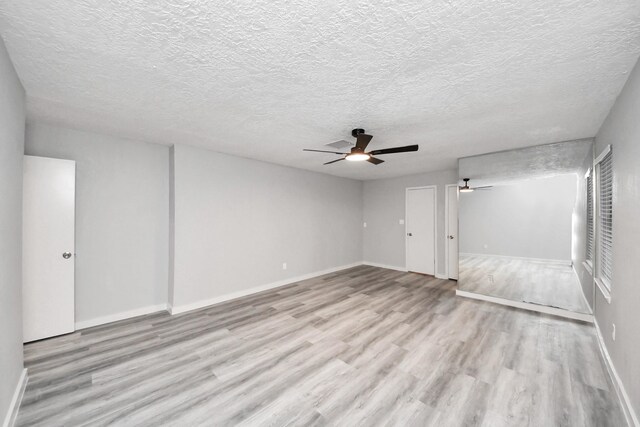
(605, 219)
(590, 234)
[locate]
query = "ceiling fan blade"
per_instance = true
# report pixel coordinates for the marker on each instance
(332, 161)
(323, 151)
(362, 140)
(404, 149)
(374, 160)
(486, 187)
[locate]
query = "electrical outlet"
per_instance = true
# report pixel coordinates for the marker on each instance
(491, 278)
(613, 332)
(284, 265)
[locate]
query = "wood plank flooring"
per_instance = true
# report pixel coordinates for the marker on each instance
(537, 282)
(364, 346)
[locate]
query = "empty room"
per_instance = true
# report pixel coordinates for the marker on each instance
(417, 213)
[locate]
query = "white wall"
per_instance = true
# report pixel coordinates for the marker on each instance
(384, 205)
(237, 220)
(529, 219)
(621, 129)
(12, 119)
(122, 218)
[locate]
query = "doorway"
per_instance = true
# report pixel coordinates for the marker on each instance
(420, 229)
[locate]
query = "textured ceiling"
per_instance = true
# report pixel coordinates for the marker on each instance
(541, 161)
(264, 78)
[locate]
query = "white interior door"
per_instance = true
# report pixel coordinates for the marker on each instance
(452, 231)
(421, 230)
(48, 233)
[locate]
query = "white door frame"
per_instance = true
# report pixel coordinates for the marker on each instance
(435, 225)
(446, 228)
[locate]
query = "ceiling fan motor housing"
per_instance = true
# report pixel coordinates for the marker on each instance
(356, 132)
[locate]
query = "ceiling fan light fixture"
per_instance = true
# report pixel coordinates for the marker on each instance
(357, 157)
(465, 188)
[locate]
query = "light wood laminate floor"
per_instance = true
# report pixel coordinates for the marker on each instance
(364, 346)
(537, 282)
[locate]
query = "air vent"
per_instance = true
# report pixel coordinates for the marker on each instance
(340, 144)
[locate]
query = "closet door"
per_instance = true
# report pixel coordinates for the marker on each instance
(421, 230)
(48, 232)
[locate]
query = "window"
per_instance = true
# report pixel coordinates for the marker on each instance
(604, 221)
(590, 235)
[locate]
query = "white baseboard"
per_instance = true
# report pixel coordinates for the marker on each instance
(393, 267)
(528, 306)
(548, 261)
(177, 309)
(388, 267)
(16, 400)
(120, 316)
(584, 297)
(625, 401)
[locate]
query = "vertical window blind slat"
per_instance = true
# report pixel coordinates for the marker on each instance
(590, 218)
(605, 218)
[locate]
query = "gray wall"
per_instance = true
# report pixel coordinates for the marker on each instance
(384, 205)
(529, 219)
(621, 129)
(237, 220)
(12, 118)
(122, 217)
(579, 249)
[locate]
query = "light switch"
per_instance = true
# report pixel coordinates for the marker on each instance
(364, 225)
(401, 221)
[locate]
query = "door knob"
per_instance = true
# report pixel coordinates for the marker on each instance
(409, 234)
(66, 255)
(451, 237)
